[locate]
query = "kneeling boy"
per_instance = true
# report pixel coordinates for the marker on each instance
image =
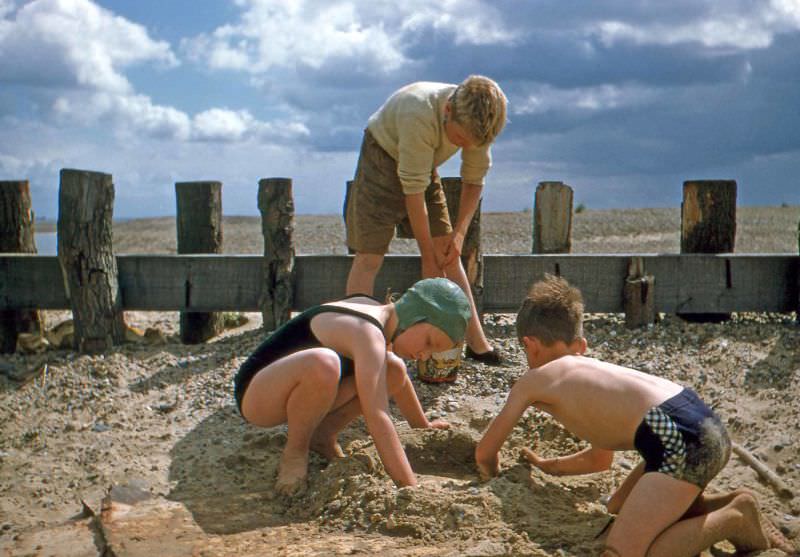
(683, 444)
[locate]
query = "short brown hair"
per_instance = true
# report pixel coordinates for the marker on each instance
(479, 105)
(552, 311)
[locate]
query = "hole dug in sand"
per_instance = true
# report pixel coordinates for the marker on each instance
(443, 453)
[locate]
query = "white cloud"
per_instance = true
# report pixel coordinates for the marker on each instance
(279, 33)
(74, 43)
(219, 124)
(76, 53)
(545, 98)
(470, 21)
(720, 28)
(138, 115)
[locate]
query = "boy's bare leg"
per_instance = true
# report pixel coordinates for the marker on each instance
(298, 390)
(710, 502)
(619, 496)
(738, 521)
(361, 279)
(656, 502)
(475, 337)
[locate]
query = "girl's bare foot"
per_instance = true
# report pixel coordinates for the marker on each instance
(326, 446)
(292, 473)
(757, 532)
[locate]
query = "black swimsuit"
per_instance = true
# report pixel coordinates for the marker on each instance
(291, 337)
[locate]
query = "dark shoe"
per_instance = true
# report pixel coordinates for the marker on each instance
(490, 357)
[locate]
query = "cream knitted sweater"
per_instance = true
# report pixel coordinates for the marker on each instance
(410, 128)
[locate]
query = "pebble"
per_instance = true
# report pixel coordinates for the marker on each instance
(100, 427)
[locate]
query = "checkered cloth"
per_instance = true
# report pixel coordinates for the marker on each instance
(674, 459)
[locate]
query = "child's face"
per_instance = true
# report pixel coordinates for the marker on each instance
(456, 133)
(458, 136)
(420, 340)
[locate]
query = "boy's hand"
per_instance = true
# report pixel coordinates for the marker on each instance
(431, 267)
(546, 465)
(453, 250)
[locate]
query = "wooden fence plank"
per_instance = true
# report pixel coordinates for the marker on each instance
(719, 282)
(191, 282)
(30, 281)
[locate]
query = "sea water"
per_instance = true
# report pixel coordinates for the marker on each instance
(46, 243)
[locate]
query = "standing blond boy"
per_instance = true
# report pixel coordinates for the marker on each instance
(662, 510)
(417, 129)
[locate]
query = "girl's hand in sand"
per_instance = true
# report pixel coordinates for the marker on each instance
(488, 468)
(438, 424)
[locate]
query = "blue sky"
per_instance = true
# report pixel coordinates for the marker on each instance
(623, 100)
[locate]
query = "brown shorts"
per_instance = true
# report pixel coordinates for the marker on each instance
(376, 203)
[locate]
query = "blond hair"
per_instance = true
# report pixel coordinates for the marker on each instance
(479, 105)
(552, 311)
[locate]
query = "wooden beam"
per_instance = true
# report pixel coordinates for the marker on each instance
(720, 282)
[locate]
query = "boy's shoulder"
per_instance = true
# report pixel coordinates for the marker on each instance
(422, 92)
(567, 368)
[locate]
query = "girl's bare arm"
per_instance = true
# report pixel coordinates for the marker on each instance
(369, 353)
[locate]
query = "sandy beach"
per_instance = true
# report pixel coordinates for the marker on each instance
(159, 420)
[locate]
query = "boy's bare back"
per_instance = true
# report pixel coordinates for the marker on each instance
(599, 402)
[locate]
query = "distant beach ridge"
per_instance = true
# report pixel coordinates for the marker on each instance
(655, 230)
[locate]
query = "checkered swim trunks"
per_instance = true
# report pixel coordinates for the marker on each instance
(683, 438)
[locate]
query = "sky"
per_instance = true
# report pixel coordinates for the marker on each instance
(623, 100)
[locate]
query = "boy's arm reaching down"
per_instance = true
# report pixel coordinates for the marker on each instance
(587, 461)
(486, 453)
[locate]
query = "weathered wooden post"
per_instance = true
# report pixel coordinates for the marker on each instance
(17, 226)
(88, 265)
(552, 218)
(199, 222)
(708, 225)
(471, 256)
(708, 216)
(276, 205)
(639, 295)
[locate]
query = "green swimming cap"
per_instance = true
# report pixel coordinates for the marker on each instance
(437, 301)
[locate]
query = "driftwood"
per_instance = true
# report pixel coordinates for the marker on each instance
(767, 474)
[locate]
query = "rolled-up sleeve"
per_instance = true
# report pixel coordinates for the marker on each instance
(416, 145)
(475, 164)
